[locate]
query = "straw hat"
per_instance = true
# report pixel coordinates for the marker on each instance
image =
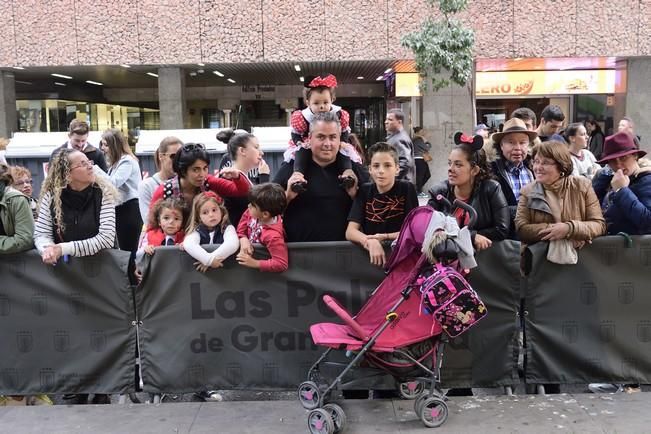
(514, 125)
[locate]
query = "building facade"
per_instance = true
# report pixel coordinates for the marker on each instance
(203, 63)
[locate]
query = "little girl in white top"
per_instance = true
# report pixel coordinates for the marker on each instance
(209, 225)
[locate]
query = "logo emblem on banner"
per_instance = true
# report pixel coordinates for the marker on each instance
(343, 258)
(39, 303)
(76, 304)
(5, 305)
(626, 293)
(629, 369)
(92, 267)
(47, 379)
(609, 256)
(187, 263)
(302, 260)
(234, 373)
(98, 340)
(460, 342)
(10, 379)
(270, 373)
(595, 364)
(570, 331)
(644, 331)
(61, 341)
(606, 331)
(24, 341)
(196, 376)
(645, 256)
(588, 293)
(17, 266)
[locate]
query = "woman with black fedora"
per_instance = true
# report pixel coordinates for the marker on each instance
(624, 187)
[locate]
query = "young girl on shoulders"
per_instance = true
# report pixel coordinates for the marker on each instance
(319, 95)
(380, 206)
(209, 225)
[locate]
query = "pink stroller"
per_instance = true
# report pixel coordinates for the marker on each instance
(389, 333)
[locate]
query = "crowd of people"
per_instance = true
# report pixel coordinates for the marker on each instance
(533, 182)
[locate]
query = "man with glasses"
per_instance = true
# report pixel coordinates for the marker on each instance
(78, 139)
(511, 167)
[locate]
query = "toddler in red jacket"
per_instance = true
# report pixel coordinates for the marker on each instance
(262, 223)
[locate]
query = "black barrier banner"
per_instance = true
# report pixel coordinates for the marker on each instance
(238, 328)
(487, 354)
(66, 328)
(590, 322)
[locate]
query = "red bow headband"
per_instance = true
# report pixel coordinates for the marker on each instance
(213, 195)
(327, 81)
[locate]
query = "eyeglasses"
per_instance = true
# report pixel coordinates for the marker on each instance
(25, 182)
(193, 147)
(86, 164)
(543, 163)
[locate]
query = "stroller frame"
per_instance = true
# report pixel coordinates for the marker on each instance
(434, 375)
(430, 406)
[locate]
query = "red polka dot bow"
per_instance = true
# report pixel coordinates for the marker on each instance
(327, 81)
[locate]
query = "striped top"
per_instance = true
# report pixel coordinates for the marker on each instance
(105, 238)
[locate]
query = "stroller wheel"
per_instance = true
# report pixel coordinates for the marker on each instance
(309, 395)
(338, 416)
(418, 403)
(319, 421)
(433, 412)
(410, 389)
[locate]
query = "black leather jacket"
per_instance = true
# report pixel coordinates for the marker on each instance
(489, 202)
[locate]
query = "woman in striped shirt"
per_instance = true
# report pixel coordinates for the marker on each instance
(76, 213)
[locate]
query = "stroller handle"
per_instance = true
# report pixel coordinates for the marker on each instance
(473, 214)
(449, 207)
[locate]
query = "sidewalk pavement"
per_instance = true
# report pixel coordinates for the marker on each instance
(577, 413)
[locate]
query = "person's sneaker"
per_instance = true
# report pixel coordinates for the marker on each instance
(346, 182)
(39, 400)
(210, 396)
(12, 401)
(101, 398)
(632, 388)
(299, 187)
(604, 388)
(76, 399)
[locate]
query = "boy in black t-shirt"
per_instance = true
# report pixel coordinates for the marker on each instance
(380, 206)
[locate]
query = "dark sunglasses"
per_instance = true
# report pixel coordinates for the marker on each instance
(193, 147)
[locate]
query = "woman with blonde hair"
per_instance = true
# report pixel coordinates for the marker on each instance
(76, 217)
(76, 214)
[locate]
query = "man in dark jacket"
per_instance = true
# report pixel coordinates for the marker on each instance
(511, 168)
(78, 139)
(321, 212)
(399, 139)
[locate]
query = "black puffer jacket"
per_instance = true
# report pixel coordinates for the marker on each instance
(489, 202)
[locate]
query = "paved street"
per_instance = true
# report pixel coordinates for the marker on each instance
(580, 413)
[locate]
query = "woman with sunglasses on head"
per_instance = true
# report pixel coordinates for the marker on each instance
(191, 167)
(163, 159)
(124, 174)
